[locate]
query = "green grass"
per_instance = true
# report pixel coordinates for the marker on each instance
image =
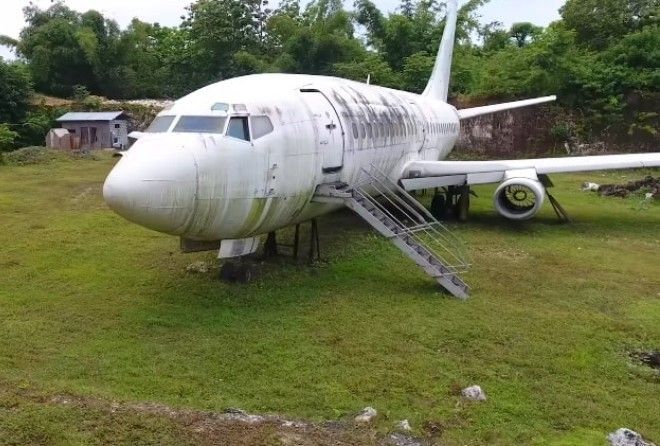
(93, 306)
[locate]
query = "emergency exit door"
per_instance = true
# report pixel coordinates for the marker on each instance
(330, 135)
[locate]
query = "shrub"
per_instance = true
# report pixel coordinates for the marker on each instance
(28, 156)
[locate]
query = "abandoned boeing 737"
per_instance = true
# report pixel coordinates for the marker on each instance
(247, 156)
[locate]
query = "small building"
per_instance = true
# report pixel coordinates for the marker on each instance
(59, 139)
(96, 130)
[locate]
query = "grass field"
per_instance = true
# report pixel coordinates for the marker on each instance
(97, 308)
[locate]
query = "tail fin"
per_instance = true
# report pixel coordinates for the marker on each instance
(438, 86)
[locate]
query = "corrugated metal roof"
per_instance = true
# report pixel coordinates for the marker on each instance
(90, 116)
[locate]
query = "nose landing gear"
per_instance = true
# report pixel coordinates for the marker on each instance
(241, 271)
(247, 268)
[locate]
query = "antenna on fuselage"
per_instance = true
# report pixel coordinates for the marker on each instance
(438, 86)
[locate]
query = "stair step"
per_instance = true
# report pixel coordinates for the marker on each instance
(407, 231)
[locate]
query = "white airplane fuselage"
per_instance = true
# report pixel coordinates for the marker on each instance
(208, 185)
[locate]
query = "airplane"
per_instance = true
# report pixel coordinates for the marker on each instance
(248, 156)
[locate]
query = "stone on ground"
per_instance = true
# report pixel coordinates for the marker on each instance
(366, 416)
(474, 393)
(627, 437)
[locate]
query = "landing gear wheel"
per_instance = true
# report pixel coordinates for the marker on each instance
(245, 273)
(439, 207)
(228, 272)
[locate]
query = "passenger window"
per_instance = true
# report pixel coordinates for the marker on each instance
(200, 124)
(370, 132)
(160, 125)
(261, 126)
(363, 131)
(238, 128)
(355, 131)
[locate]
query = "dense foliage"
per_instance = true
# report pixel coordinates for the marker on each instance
(602, 57)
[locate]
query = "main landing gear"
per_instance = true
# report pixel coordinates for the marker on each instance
(452, 202)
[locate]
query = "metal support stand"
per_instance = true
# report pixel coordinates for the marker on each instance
(314, 243)
(463, 204)
(273, 249)
(559, 210)
(296, 242)
(270, 247)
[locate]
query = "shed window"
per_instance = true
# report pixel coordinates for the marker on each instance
(117, 126)
(238, 128)
(261, 126)
(200, 124)
(161, 124)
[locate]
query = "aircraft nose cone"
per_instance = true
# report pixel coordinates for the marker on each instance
(154, 188)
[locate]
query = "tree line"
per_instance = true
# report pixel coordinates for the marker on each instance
(602, 57)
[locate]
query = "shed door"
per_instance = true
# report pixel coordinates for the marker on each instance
(330, 135)
(84, 137)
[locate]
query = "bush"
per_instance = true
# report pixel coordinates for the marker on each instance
(28, 156)
(7, 137)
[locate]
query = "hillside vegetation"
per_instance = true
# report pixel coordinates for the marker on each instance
(601, 58)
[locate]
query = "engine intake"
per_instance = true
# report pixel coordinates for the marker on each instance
(519, 198)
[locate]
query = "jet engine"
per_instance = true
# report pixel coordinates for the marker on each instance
(519, 198)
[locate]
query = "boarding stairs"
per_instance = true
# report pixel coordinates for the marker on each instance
(399, 217)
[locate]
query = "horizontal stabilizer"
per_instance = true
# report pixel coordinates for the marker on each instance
(489, 109)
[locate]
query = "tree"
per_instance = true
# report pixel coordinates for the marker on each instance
(316, 41)
(7, 138)
(59, 53)
(15, 92)
(217, 29)
(599, 23)
(524, 33)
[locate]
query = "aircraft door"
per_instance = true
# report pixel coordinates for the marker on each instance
(421, 137)
(330, 135)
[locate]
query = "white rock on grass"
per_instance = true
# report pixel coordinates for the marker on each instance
(404, 425)
(474, 393)
(590, 187)
(366, 416)
(627, 437)
(198, 268)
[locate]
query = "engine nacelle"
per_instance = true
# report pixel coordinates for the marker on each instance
(519, 198)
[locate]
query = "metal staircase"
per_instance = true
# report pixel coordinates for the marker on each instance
(398, 216)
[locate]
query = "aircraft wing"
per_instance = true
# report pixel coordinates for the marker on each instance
(419, 175)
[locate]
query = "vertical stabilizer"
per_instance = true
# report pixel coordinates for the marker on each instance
(438, 86)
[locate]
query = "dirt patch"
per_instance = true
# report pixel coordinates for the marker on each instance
(237, 427)
(648, 358)
(649, 185)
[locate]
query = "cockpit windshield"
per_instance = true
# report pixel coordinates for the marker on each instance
(161, 124)
(200, 124)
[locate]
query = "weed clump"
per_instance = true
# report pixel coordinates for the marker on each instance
(28, 156)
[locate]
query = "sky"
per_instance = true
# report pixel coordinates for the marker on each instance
(168, 12)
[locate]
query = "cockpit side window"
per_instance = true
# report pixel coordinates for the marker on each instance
(261, 126)
(161, 124)
(239, 129)
(200, 124)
